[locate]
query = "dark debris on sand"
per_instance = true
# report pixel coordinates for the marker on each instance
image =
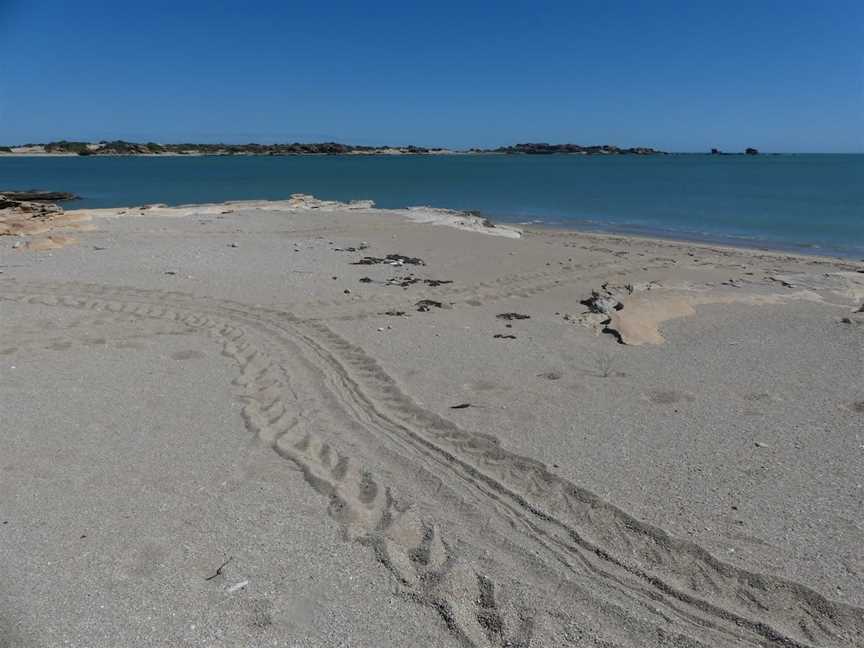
(410, 280)
(360, 247)
(390, 259)
(425, 305)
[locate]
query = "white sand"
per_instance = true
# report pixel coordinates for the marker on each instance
(222, 385)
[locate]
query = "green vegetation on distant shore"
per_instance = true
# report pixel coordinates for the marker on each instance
(121, 147)
(64, 146)
(548, 149)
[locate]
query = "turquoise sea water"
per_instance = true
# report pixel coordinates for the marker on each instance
(806, 203)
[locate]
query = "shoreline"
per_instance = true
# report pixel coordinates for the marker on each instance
(657, 237)
(708, 243)
(674, 238)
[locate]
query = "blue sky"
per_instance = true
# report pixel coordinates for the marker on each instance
(780, 76)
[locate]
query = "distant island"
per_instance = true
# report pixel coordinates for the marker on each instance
(573, 149)
(121, 147)
(747, 151)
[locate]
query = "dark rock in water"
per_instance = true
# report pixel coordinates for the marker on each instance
(751, 151)
(425, 305)
(512, 316)
(34, 195)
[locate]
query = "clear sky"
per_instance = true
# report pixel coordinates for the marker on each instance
(785, 75)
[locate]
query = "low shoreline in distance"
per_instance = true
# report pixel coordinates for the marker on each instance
(120, 147)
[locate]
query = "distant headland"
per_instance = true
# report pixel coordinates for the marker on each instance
(121, 147)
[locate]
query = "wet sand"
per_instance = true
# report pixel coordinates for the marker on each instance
(667, 450)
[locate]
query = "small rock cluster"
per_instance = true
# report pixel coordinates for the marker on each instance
(603, 304)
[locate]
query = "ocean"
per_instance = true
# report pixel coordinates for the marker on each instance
(802, 203)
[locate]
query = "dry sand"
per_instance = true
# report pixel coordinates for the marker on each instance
(214, 384)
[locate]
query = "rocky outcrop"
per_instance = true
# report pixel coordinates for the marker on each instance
(306, 201)
(20, 218)
(32, 209)
(34, 195)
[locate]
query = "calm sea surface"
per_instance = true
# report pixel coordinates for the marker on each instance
(805, 203)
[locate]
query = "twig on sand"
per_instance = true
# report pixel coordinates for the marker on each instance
(219, 569)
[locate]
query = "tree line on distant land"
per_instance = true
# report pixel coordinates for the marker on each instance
(122, 147)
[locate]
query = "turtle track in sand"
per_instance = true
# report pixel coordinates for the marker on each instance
(508, 553)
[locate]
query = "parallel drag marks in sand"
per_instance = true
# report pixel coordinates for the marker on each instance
(508, 553)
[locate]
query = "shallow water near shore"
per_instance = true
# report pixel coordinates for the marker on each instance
(804, 203)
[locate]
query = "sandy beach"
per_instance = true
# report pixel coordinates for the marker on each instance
(307, 423)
